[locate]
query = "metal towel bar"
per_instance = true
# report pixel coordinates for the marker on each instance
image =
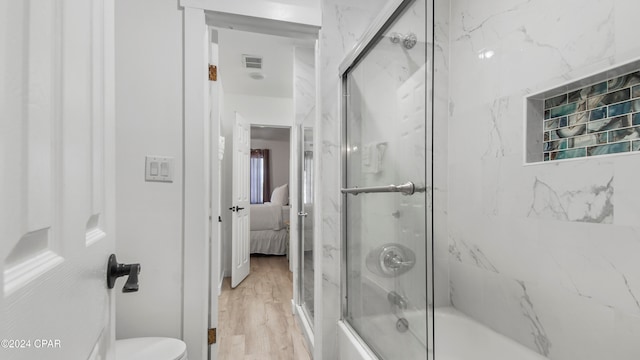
(407, 188)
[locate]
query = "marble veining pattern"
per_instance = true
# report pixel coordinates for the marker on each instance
(589, 205)
(343, 23)
(472, 252)
(537, 329)
(496, 148)
(305, 86)
(632, 294)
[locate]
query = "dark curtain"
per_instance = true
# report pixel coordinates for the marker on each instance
(260, 175)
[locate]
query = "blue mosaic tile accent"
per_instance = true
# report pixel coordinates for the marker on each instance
(608, 99)
(608, 149)
(563, 110)
(624, 108)
(588, 91)
(562, 122)
(568, 154)
(555, 101)
(555, 145)
(609, 124)
(598, 114)
(551, 135)
(599, 119)
(587, 140)
(579, 118)
(624, 134)
(551, 124)
(624, 81)
(572, 131)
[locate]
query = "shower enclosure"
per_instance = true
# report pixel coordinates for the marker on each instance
(456, 244)
(386, 211)
(305, 225)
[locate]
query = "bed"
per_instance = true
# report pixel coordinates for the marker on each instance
(268, 223)
(269, 233)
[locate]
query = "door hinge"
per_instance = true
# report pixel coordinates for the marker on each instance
(219, 219)
(211, 334)
(213, 73)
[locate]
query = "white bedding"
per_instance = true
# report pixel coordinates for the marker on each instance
(266, 216)
(269, 242)
(268, 230)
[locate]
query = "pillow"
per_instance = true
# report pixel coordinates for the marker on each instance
(280, 195)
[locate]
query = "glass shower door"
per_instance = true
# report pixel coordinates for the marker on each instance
(385, 182)
(306, 222)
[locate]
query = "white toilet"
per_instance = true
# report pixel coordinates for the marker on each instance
(151, 348)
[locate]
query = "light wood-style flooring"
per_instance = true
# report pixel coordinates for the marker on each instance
(255, 320)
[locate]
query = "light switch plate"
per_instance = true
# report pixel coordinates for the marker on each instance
(158, 168)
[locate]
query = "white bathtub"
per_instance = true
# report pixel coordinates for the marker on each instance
(457, 337)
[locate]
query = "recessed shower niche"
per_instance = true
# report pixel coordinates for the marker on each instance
(597, 115)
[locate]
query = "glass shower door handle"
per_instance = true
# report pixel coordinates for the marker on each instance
(302, 213)
(407, 188)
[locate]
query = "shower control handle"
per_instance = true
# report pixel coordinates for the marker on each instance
(395, 261)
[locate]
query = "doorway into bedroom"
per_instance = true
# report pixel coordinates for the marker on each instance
(269, 173)
(260, 78)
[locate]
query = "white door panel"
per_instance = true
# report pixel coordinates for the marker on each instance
(56, 213)
(240, 218)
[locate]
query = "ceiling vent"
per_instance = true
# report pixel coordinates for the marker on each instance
(252, 61)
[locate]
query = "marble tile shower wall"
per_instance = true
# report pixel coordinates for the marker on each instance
(438, 144)
(343, 24)
(305, 85)
(596, 120)
(546, 255)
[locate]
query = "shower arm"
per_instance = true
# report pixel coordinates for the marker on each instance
(407, 188)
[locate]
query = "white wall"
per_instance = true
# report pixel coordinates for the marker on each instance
(279, 157)
(148, 44)
(257, 110)
(299, 12)
(567, 289)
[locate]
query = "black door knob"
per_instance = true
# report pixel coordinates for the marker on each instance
(115, 270)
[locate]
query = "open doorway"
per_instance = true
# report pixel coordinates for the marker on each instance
(269, 173)
(257, 77)
(203, 269)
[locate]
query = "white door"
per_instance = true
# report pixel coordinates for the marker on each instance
(56, 179)
(240, 204)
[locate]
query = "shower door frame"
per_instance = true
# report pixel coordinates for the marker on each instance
(392, 11)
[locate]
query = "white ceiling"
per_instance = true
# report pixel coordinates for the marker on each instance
(277, 58)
